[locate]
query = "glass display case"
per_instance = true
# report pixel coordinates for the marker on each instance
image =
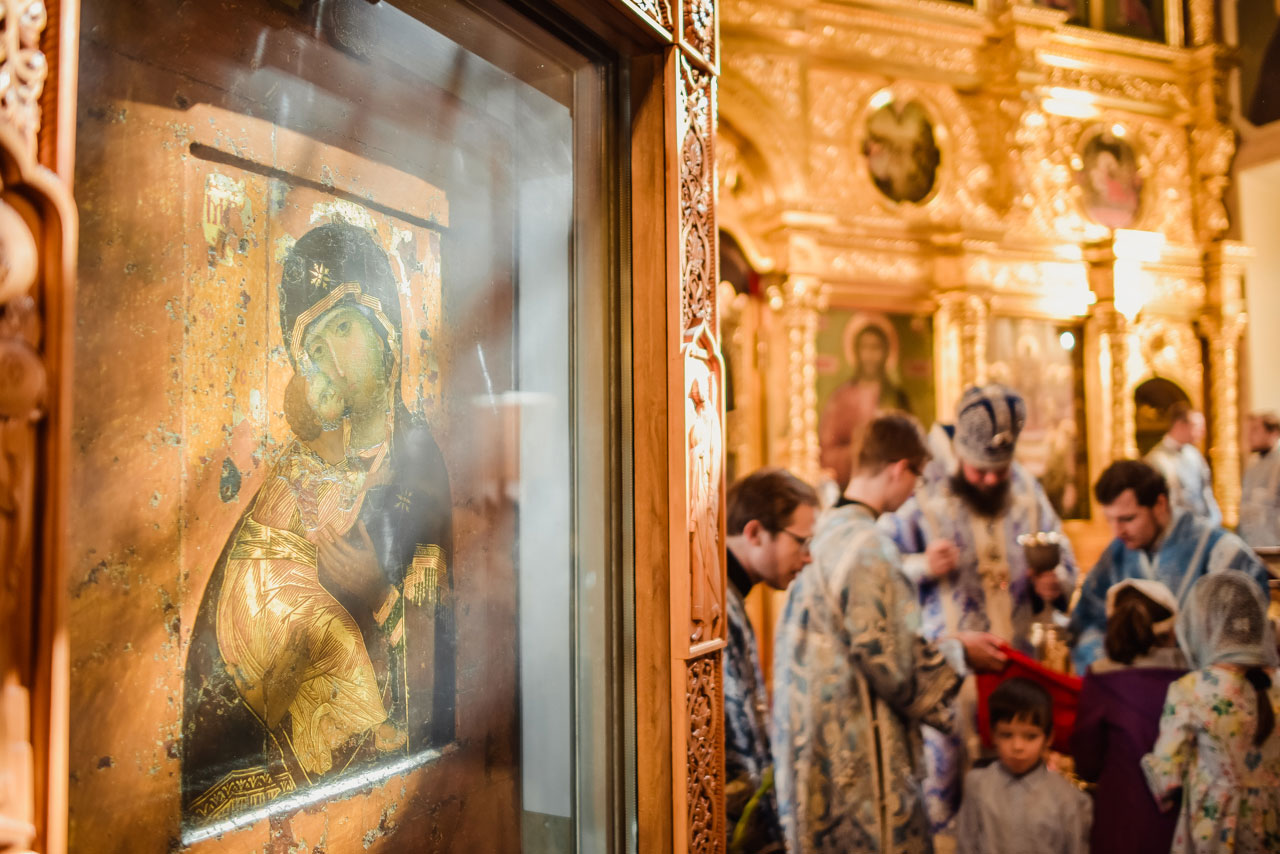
(347, 281)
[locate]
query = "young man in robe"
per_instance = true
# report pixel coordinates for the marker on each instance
(960, 533)
(1260, 492)
(1184, 467)
(1152, 541)
(853, 678)
(771, 514)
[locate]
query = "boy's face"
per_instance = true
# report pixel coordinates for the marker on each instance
(1020, 745)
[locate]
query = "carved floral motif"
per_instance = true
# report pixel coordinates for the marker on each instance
(704, 712)
(700, 27)
(659, 11)
(23, 67)
(697, 218)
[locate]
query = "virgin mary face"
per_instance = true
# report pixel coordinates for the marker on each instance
(345, 365)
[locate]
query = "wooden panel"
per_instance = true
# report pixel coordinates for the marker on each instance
(655, 370)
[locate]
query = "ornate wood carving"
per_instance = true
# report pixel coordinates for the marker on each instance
(37, 228)
(960, 346)
(704, 479)
(704, 710)
(699, 32)
(696, 168)
(655, 11)
(23, 66)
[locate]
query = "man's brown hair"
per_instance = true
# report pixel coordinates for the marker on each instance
(889, 438)
(768, 495)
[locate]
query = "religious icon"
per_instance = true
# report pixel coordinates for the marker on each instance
(1043, 361)
(1140, 18)
(323, 645)
(705, 477)
(1108, 175)
(1077, 10)
(872, 381)
(902, 153)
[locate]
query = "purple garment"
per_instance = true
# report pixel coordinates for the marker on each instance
(1116, 725)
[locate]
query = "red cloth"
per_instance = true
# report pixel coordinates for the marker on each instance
(1064, 689)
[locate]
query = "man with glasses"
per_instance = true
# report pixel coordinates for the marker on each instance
(771, 514)
(853, 679)
(960, 536)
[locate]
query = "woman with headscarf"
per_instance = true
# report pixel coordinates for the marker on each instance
(1217, 740)
(1119, 716)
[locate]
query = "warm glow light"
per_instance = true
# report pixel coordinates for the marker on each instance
(881, 99)
(1132, 244)
(1069, 109)
(1067, 340)
(1071, 103)
(1118, 131)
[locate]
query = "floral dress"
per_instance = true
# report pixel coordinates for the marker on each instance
(1231, 789)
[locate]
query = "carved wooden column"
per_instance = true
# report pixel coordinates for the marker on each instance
(800, 301)
(697, 609)
(1107, 344)
(37, 265)
(959, 346)
(1224, 324)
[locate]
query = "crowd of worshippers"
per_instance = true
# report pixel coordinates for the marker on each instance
(915, 589)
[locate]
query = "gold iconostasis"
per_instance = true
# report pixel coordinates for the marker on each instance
(924, 196)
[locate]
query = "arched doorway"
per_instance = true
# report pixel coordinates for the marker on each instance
(1152, 400)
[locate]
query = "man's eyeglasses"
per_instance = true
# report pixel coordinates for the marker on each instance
(802, 542)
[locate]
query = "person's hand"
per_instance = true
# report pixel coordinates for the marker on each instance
(982, 651)
(1047, 586)
(941, 557)
(351, 569)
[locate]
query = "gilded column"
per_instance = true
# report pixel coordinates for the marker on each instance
(1223, 324)
(1108, 339)
(799, 302)
(960, 346)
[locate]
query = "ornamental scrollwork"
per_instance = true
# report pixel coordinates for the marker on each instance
(704, 764)
(23, 66)
(697, 216)
(700, 27)
(658, 11)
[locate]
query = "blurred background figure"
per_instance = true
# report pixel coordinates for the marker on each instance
(1151, 541)
(1260, 492)
(959, 534)
(1217, 742)
(771, 514)
(1119, 716)
(1178, 458)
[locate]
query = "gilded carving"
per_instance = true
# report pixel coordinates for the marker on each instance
(800, 301)
(697, 218)
(775, 76)
(23, 66)
(704, 700)
(1214, 147)
(759, 13)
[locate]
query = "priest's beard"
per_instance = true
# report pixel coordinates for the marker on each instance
(988, 502)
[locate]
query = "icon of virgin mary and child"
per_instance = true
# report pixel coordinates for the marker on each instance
(324, 643)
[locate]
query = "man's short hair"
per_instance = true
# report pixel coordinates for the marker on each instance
(1269, 421)
(1021, 699)
(889, 438)
(1147, 483)
(768, 495)
(1180, 412)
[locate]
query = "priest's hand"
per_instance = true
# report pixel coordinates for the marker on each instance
(982, 651)
(941, 557)
(1047, 586)
(351, 569)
